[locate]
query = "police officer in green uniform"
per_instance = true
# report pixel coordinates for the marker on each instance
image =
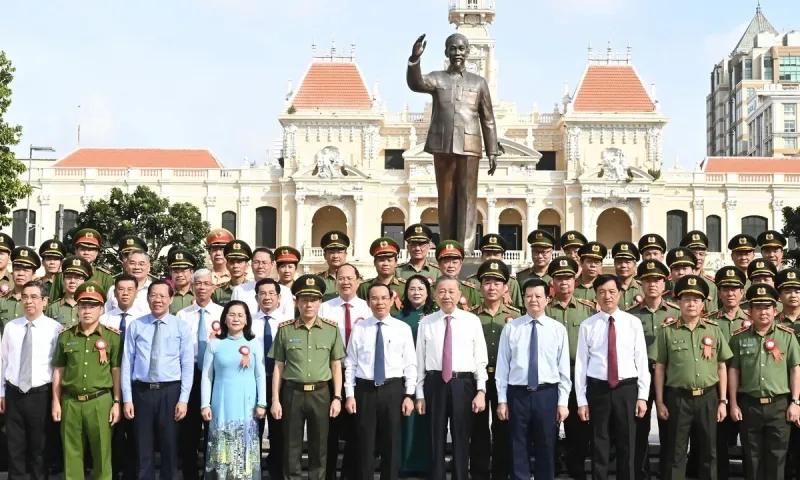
(238, 255)
(6, 247)
(88, 243)
(762, 379)
(697, 242)
(570, 311)
(334, 247)
(571, 242)
(181, 264)
(24, 263)
(761, 271)
(682, 261)
(450, 255)
(626, 254)
(52, 253)
(86, 385)
(772, 244)
(307, 353)
(787, 282)
(690, 358)
(494, 313)
(384, 252)
(76, 270)
(652, 246)
(493, 247)
(743, 251)
(591, 255)
(542, 245)
(418, 239)
(129, 244)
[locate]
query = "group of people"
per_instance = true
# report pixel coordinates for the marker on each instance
(199, 364)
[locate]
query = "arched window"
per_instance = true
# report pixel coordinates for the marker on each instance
(70, 221)
(714, 232)
(18, 228)
(266, 227)
(676, 227)
(754, 225)
(229, 222)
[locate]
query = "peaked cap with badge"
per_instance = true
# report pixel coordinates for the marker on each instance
(742, 243)
(762, 294)
(130, 243)
(419, 233)
(53, 248)
(26, 257)
(181, 258)
(652, 240)
(788, 278)
(594, 250)
(691, 284)
(287, 254)
(651, 269)
(6, 243)
(493, 242)
(90, 292)
(695, 239)
(541, 238)
(219, 237)
(563, 266)
(771, 238)
(238, 250)
(449, 249)
(572, 239)
(310, 285)
(761, 267)
(77, 265)
(89, 238)
(384, 247)
(730, 276)
(625, 250)
(335, 240)
(680, 256)
(494, 269)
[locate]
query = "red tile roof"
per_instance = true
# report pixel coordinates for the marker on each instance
(333, 85)
(752, 165)
(138, 158)
(611, 89)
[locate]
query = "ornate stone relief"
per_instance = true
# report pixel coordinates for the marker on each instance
(615, 164)
(329, 163)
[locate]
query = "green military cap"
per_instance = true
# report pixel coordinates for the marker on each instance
(762, 294)
(238, 250)
(787, 278)
(572, 238)
(681, 256)
(130, 243)
(311, 285)
(492, 243)
(695, 239)
(53, 248)
(384, 247)
(652, 268)
(494, 269)
(593, 250)
(742, 243)
(418, 232)
(761, 267)
(6, 243)
(449, 249)
(771, 238)
(541, 238)
(652, 240)
(287, 254)
(181, 258)
(90, 292)
(334, 240)
(730, 276)
(88, 237)
(625, 250)
(562, 266)
(25, 257)
(691, 284)
(77, 265)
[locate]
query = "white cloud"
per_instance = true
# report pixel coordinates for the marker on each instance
(718, 45)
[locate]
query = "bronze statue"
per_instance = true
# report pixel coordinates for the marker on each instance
(462, 110)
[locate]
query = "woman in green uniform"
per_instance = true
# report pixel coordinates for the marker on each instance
(414, 450)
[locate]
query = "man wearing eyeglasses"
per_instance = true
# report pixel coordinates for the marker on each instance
(261, 264)
(138, 265)
(334, 247)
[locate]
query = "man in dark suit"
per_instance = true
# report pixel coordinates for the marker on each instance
(462, 110)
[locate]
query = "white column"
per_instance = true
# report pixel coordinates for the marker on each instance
(211, 211)
(644, 225)
(493, 220)
(244, 229)
(300, 222)
(358, 248)
(586, 217)
(413, 213)
(777, 215)
(532, 221)
(697, 212)
(45, 221)
(731, 221)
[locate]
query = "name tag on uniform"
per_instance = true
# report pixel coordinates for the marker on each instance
(294, 340)
(73, 344)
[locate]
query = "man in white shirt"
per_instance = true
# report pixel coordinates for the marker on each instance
(26, 376)
(286, 259)
(451, 375)
(203, 317)
(347, 310)
(612, 378)
(380, 379)
(138, 265)
(261, 264)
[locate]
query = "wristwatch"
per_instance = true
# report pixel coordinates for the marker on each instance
(337, 397)
(796, 402)
(116, 400)
(723, 401)
(410, 396)
(482, 390)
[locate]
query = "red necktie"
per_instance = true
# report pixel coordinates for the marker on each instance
(613, 371)
(348, 324)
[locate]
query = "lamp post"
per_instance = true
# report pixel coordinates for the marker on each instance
(28, 209)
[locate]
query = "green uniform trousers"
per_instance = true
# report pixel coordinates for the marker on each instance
(81, 421)
(305, 409)
(689, 413)
(765, 436)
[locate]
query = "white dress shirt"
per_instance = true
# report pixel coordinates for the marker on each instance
(286, 307)
(246, 292)
(141, 298)
(45, 332)
(191, 315)
(113, 318)
(258, 326)
(514, 353)
(400, 358)
(592, 357)
(334, 310)
(469, 346)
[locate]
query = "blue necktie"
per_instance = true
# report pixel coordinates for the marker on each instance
(269, 363)
(122, 328)
(380, 367)
(202, 337)
(533, 358)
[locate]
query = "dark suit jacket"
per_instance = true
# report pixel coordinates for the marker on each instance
(462, 109)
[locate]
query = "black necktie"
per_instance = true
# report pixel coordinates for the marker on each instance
(268, 362)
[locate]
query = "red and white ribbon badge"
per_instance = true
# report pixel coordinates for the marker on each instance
(772, 347)
(509, 318)
(638, 298)
(245, 351)
(215, 328)
(708, 344)
(100, 345)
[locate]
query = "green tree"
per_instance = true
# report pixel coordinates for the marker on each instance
(145, 214)
(11, 188)
(791, 228)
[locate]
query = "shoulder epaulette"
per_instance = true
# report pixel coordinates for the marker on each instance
(512, 277)
(746, 313)
(330, 322)
(401, 280)
(65, 330)
(469, 284)
(672, 305)
(709, 277)
(224, 285)
(433, 264)
(710, 314)
(740, 330)
(370, 280)
(51, 303)
(107, 272)
(287, 322)
(588, 303)
(475, 307)
(112, 329)
(786, 329)
(635, 305)
(710, 321)
(513, 309)
(669, 322)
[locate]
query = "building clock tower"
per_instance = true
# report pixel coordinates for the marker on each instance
(472, 19)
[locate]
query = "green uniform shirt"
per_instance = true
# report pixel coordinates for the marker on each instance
(712, 302)
(330, 284)
(222, 294)
(10, 308)
(708, 305)
(760, 374)
(726, 324)
(525, 275)
(513, 295)
(652, 321)
(47, 285)
(630, 296)
(78, 354)
(585, 292)
(100, 276)
(429, 270)
(307, 353)
(63, 312)
(181, 301)
(6, 283)
(782, 319)
(396, 285)
(683, 353)
(470, 295)
(493, 327)
(571, 316)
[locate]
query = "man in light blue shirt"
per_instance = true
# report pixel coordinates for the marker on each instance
(533, 385)
(157, 375)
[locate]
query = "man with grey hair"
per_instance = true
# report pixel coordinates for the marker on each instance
(137, 265)
(451, 380)
(203, 318)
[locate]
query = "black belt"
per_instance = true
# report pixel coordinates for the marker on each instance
(689, 392)
(42, 388)
(455, 374)
(542, 386)
(307, 387)
(88, 396)
(623, 382)
(155, 386)
(767, 400)
(371, 383)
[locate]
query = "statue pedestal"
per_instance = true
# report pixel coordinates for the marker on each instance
(470, 267)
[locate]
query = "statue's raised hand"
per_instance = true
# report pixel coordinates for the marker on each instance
(419, 47)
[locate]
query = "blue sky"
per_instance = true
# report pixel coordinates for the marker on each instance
(213, 73)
